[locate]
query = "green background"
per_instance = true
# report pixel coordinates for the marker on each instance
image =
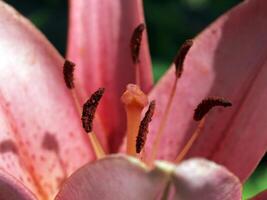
(170, 21)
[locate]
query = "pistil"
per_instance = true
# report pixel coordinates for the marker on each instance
(134, 101)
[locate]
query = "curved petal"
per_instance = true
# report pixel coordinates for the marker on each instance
(120, 178)
(260, 196)
(99, 43)
(11, 189)
(113, 178)
(228, 59)
(41, 140)
(204, 180)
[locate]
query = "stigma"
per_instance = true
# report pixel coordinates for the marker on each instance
(134, 100)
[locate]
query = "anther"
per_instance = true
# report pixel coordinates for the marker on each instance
(207, 104)
(134, 101)
(180, 57)
(136, 42)
(143, 128)
(68, 70)
(89, 109)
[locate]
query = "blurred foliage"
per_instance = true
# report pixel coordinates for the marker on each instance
(169, 23)
(172, 22)
(50, 16)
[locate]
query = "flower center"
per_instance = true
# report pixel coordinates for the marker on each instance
(135, 100)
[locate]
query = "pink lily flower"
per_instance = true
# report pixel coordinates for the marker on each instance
(42, 141)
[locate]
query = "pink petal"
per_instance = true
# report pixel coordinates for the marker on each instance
(99, 43)
(113, 177)
(11, 189)
(41, 140)
(228, 59)
(120, 177)
(260, 196)
(205, 180)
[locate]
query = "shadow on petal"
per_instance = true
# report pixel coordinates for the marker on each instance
(227, 59)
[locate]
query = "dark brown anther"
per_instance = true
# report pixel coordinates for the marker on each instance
(68, 70)
(207, 104)
(180, 57)
(136, 42)
(143, 128)
(89, 109)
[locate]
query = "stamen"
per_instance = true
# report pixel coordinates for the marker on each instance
(134, 101)
(190, 142)
(180, 57)
(207, 104)
(199, 115)
(89, 109)
(87, 121)
(136, 42)
(143, 129)
(135, 45)
(98, 149)
(179, 65)
(68, 70)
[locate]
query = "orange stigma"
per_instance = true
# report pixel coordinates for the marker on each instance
(134, 101)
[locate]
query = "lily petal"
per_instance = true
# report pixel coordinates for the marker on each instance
(41, 140)
(228, 59)
(260, 196)
(12, 189)
(121, 177)
(201, 179)
(99, 43)
(115, 177)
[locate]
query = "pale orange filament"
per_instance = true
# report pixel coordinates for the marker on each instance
(159, 133)
(97, 147)
(190, 142)
(99, 152)
(134, 101)
(137, 74)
